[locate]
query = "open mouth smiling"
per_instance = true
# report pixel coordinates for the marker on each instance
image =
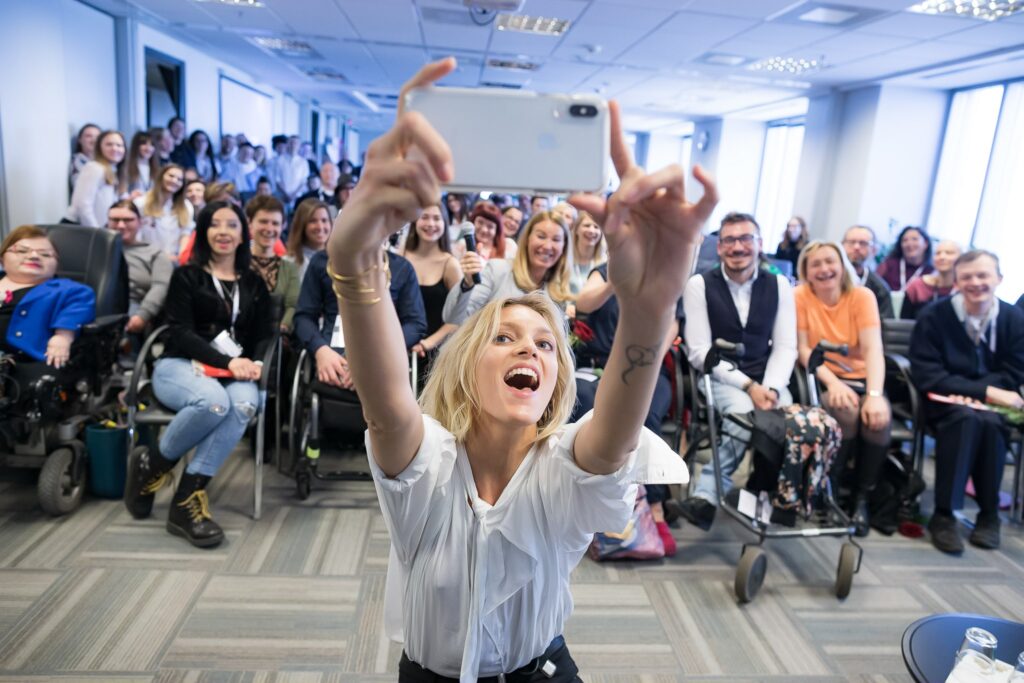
(522, 378)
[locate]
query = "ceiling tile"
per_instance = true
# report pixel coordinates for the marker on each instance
(673, 5)
(393, 21)
(246, 19)
(911, 25)
(683, 37)
(313, 17)
(786, 38)
(399, 62)
(854, 45)
(993, 35)
(749, 9)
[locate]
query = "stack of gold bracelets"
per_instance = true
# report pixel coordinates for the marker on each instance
(360, 288)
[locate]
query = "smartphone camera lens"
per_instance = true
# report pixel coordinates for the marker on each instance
(584, 111)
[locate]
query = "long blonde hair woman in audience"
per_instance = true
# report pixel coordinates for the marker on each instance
(588, 250)
(541, 263)
(310, 228)
(142, 165)
(100, 183)
(168, 218)
(85, 149)
(426, 248)
(489, 497)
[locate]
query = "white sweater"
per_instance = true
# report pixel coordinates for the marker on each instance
(91, 197)
(164, 231)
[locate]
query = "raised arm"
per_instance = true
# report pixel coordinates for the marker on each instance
(402, 175)
(652, 232)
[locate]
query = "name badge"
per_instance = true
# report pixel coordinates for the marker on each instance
(226, 345)
(338, 336)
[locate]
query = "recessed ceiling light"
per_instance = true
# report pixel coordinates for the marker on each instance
(547, 26)
(722, 59)
(513, 64)
(237, 3)
(989, 10)
(285, 47)
(787, 65)
(828, 15)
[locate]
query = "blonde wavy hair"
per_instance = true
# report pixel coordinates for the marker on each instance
(556, 280)
(847, 281)
(451, 395)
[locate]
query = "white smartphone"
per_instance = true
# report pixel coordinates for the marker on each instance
(519, 142)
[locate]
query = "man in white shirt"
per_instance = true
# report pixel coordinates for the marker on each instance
(291, 171)
(738, 301)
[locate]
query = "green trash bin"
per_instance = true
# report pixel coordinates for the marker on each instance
(108, 459)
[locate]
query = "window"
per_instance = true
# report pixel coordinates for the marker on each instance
(977, 199)
(1002, 204)
(966, 148)
(776, 189)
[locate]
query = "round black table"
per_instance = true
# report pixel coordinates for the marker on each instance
(930, 644)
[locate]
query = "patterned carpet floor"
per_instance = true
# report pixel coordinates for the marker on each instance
(297, 597)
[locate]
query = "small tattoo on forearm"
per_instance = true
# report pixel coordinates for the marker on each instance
(638, 357)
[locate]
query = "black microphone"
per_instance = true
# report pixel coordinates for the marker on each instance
(467, 232)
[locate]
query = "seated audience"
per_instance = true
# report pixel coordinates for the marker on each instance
(490, 239)
(426, 248)
(830, 307)
(40, 315)
(149, 267)
(85, 149)
(168, 218)
(740, 302)
(244, 172)
(598, 309)
(195, 193)
(164, 142)
(793, 241)
(318, 327)
(567, 211)
(100, 182)
(969, 346)
(227, 160)
(266, 220)
(511, 221)
(259, 155)
(346, 184)
(310, 228)
(289, 171)
(264, 187)
(457, 207)
(541, 263)
(328, 190)
(220, 319)
(860, 246)
(176, 127)
(538, 204)
(932, 286)
(911, 257)
(197, 154)
(142, 165)
(589, 250)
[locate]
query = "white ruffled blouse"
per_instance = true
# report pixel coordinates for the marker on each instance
(479, 590)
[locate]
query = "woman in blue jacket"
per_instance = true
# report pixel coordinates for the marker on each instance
(40, 315)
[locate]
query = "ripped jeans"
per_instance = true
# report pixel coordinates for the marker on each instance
(211, 416)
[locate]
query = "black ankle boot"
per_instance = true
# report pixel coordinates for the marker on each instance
(190, 513)
(148, 472)
(861, 516)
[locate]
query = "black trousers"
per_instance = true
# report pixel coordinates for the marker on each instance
(557, 653)
(967, 443)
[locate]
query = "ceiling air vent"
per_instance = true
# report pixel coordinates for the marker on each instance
(507, 86)
(513, 64)
(327, 74)
(285, 47)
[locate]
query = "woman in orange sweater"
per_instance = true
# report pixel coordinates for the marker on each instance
(830, 307)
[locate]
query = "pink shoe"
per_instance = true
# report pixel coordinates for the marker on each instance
(667, 539)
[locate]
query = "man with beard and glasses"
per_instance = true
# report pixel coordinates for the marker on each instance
(860, 245)
(739, 301)
(969, 348)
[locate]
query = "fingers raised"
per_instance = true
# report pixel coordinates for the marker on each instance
(414, 135)
(434, 71)
(593, 204)
(707, 203)
(669, 178)
(621, 157)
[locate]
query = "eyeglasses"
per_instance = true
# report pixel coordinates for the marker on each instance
(123, 220)
(25, 251)
(858, 243)
(745, 240)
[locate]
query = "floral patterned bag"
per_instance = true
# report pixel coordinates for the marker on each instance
(638, 541)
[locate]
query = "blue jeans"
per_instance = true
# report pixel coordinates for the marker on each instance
(733, 438)
(211, 416)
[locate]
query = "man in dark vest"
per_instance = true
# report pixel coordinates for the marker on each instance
(739, 301)
(860, 246)
(969, 348)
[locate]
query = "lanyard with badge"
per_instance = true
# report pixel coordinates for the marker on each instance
(225, 341)
(903, 274)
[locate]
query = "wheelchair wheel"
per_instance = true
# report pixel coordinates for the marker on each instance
(303, 484)
(60, 489)
(848, 555)
(750, 573)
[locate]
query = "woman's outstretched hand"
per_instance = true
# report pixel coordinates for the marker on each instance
(651, 229)
(403, 174)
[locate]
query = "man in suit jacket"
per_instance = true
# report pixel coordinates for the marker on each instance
(971, 347)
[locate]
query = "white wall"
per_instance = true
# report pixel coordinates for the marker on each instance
(202, 78)
(869, 158)
(60, 73)
(733, 157)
